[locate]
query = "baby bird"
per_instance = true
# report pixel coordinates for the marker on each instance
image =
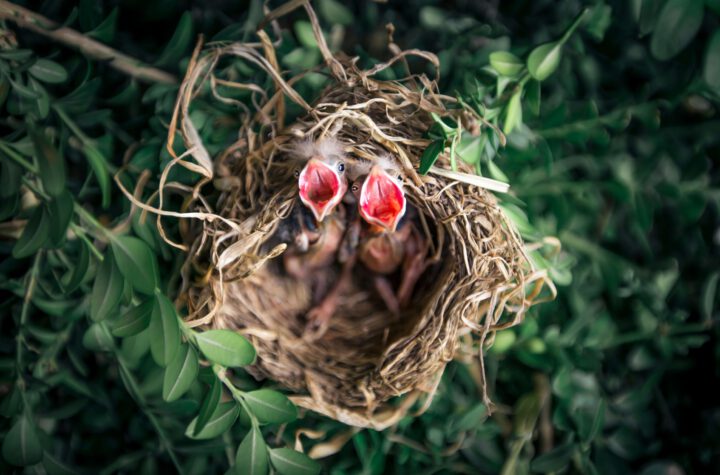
(316, 230)
(322, 182)
(388, 242)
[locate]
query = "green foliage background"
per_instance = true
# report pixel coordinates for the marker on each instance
(613, 148)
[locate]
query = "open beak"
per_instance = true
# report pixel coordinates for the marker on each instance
(382, 200)
(321, 187)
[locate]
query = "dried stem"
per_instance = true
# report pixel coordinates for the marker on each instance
(30, 20)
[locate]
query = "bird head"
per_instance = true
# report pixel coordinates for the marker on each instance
(382, 200)
(322, 182)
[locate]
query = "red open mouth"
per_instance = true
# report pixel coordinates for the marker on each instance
(320, 188)
(382, 200)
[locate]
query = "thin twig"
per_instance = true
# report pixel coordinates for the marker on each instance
(30, 20)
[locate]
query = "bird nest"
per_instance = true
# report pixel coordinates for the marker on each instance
(370, 365)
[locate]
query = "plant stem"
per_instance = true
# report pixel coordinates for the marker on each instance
(93, 49)
(20, 338)
(17, 158)
(81, 234)
(569, 32)
(134, 391)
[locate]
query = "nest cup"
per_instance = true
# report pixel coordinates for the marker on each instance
(370, 367)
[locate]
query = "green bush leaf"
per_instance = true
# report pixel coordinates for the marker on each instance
(252, 457)
(709, 291)
(164, 330)
(80, 269)
(54, 467)
(513, 113)
(291, 462)
(225, 347)
(555, 460)
(97, 338)
(107, 289)
(677, 25)
(430, 155)
(335, 12)
(100, 169)
(48, 71)
(711, 69)
(34, 235)
(10, 178)
(532, 96)
(21, 446)
(60, 210)
(222, 419)
(209, 404)
(270, 406)
(134, 320)
(305, 34)
(544, 60)
(51, 164)
(506, 63)
(137, 262)
(180, 373)
(179, 42)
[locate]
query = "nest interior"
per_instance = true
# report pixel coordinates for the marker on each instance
(233, 275)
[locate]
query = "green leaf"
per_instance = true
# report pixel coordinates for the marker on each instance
(270, 406)
(12, 403)
(180, 374)
(34, 235)
(707, 301)
(291, 462)
(60, 210)
(210, 403)
(305, 34)
(100, 169)
(137, 262)
(97, 338)
(532, 96)
(544, 60)
(506, 63)
(80, 269)
(599, 20)
(335, 12)
(23, 91)
(252, 457)
(134, 320)
(51, 164)
(179, 43)
(649, 12)
(677, 25)
(54, 467)
(107, 289)
(513, 113)
(164, 330)
(430, 155)
(21, 446)
(10, 178)
(43, 100)
(48, 71)
(222, 419)
(226, 348)
(105, 31)
(713, 5)
(555, 460)
(711, 69)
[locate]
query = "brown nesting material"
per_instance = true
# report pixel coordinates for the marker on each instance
(370, 366)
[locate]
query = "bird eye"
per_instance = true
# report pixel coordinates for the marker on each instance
(355, 188)
(399, 177)
(296, 172)
(341, 167)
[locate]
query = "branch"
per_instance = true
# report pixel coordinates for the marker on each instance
(30, 20)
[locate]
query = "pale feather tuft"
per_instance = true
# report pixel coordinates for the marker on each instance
(329, 148)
